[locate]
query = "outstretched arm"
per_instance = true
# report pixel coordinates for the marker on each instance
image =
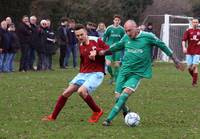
(105, 52)
(157, 42)
(180, 66)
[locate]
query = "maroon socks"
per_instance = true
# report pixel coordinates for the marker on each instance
(190, 71)
(59, 105)
(194, 78)
(92, 104)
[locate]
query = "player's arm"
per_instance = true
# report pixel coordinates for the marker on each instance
(160, 44)
(101, 45)
(95, 50)
(177, 63)
(113, 48)
(184, 39)
(184, 47)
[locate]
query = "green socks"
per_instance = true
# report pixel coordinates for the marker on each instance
(118, 106)
(109, 68)
(116, 71)
(124, 107)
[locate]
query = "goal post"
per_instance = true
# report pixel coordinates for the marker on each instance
(171, 34)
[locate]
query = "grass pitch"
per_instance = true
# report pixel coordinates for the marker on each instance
(168, 105)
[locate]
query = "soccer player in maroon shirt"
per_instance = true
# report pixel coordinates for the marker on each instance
(90, 76)
(192, 37)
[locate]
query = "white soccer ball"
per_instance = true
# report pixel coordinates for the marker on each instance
(132, 119)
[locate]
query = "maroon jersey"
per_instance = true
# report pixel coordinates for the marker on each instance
(87, 65)
(193, 37)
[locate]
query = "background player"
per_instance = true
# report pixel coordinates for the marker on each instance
(113, 34)
(192, 37)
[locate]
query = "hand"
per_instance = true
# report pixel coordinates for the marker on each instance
(198, 43)
(180, 66)
(92, 55)
(28, 24)
(184, 50)
(102, 52)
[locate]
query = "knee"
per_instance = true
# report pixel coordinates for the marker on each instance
(108, 62)
(128, 91)
(83, 93)
(117, 64)
(117, 95)
(194, 67)
(67, 93)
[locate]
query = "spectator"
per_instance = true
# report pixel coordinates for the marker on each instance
(24, 32)
(101, 29)
(34, 27)
(8, 21)
(50, 47)
(4, 46)
(42, 45)
(142, 27)
(154, 52)
(62, 40)
(149, 27)
(72, 44)
(15, 45)
(91, 29)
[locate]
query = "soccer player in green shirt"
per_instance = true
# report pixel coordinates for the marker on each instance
(136, 63)
(113, 34)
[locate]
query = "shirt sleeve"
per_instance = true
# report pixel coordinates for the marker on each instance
(118, 46)
(102, 45)
(160, 44)
(122, 32)
(105, 35)
(185, 36)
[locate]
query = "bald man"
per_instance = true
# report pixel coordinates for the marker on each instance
(136, 64)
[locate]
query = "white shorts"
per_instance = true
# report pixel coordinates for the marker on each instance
(89, 80)
(192, 59)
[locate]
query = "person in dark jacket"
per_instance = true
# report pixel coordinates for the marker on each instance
(72, 44)
(24, 32)
(3, 44)
(41, 46)
(15, 46)
(154, 52)
(91, 29)
(34, 39)
(62, 38)
(50, 45)
(6, 37)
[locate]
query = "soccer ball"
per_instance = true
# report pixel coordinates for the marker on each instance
(132, 119)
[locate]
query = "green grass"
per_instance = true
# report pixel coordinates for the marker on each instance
(168, 105)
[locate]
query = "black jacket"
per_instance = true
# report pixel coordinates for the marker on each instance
(34, 36)
(50, 46)
(15, 44)
(62, 37)
(5, 38)
(41, 40)
(72, 37)
(24, 33)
